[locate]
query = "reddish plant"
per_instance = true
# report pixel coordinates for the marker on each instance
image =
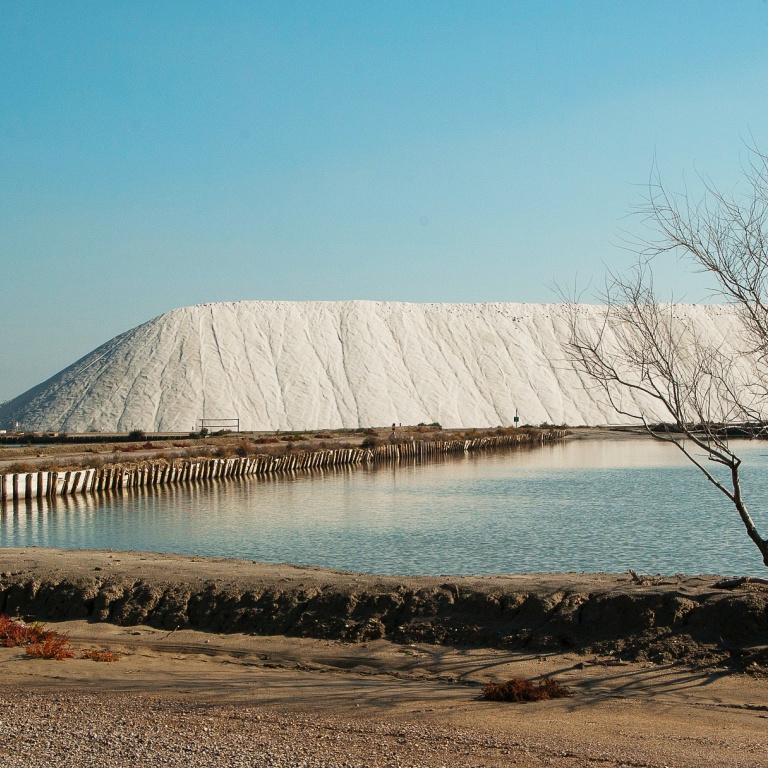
(12, 633)
(97, 655)
(39, 642)
(16, 633)
(55, 647)
(519, 690)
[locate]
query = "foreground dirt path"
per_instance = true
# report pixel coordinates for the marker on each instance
(190, 698)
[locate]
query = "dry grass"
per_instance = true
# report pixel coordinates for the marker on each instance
(100, 655)
(519, 690)
(73, 457)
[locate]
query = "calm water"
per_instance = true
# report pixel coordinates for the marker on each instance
(591, 506)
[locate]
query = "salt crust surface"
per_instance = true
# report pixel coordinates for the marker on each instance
(322, 365)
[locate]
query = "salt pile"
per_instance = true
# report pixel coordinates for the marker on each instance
(322, 365)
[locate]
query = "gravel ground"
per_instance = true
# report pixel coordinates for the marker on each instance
(119, 730)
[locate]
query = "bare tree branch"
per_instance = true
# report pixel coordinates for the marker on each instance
(651, 362)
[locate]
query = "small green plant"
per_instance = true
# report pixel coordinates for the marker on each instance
(519, 690)
(370, 442)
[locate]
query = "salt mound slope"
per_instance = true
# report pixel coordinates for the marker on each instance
(320, 365)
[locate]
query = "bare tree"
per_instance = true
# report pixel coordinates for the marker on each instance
(655, 365)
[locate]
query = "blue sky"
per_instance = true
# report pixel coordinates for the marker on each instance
(155, 155)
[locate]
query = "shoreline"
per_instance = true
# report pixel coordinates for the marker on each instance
(699, 621)
(31, 483)
(237, 695)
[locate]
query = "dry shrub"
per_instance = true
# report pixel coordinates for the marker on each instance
(20, 467)
(100, 655)
(16, 633)
(55, 647)
(519, 690)
(244, 448)
(13, 633)
(40, 643)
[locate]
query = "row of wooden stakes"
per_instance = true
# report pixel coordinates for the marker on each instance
(31, 485)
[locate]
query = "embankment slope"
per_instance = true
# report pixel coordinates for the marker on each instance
(678, 619)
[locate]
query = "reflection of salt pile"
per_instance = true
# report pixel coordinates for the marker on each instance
(304, 365)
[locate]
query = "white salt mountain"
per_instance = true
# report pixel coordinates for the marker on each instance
(322, 365)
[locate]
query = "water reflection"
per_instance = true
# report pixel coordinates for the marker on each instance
(591, 505)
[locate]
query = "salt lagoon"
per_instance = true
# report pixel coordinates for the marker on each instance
(595, 505)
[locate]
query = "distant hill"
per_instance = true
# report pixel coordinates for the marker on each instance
(321, 365)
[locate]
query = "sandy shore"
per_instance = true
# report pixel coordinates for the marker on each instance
(189, 698)
(183, 696)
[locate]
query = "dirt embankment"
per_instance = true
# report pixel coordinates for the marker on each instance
(29, 452)
(684, 619)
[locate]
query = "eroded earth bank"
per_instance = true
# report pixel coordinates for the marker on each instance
(696, 620)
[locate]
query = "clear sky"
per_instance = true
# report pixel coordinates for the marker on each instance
(155, 155)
